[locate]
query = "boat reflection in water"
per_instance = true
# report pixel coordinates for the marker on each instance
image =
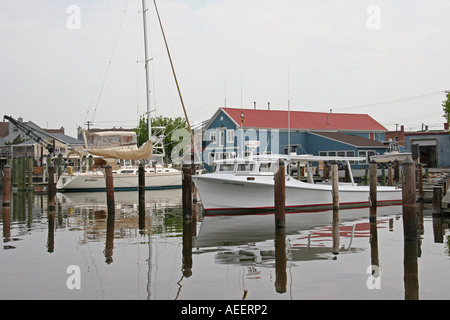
(248, 239)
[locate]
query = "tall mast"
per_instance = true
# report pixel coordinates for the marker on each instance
(147, 69)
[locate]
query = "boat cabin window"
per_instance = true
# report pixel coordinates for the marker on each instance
(245, 167)
(267, 167)
(226, 167)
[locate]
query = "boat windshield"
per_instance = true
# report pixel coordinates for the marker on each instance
(243, 167)
(226, 167)
(267, 167)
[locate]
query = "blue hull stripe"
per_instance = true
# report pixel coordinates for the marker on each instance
(118, 189)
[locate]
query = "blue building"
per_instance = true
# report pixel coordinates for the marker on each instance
(230, 133)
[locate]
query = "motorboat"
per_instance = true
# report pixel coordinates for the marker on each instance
(246, 185)
(393, 153)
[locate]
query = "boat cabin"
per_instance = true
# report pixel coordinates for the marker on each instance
(246, 166)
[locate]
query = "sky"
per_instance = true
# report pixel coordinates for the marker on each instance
(67, 62)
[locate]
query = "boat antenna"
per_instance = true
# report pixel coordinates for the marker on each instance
(174, 74)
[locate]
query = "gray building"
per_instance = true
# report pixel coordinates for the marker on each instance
(432, 147)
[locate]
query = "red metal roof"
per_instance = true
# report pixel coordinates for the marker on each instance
(304, 120)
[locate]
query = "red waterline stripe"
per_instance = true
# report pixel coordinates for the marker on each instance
(366, 203)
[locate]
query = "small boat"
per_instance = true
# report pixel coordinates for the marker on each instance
(246, 185)
(393, 153)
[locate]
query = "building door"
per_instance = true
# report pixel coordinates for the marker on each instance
(427, 152)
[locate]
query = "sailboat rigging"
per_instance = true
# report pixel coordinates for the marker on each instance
(119, 146)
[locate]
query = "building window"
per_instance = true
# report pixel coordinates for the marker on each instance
(351, 154)
(230, 136)
(365, 154)
(213, 137)
(362, 154)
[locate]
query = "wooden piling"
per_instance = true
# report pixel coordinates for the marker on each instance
(420, 182)
(59, 165)
(6, 195)
(109, 189)
(24, 166)
(373, 190)
(335, 196)
(187, 192)
(326, 171)
(443, 182)
(30, 173)
(141, 182)
(396, 171)
(15, 172)
(280, 195)
(390, 177)
(437, 199)
(409, 200)
(90, 162)
(20, 172)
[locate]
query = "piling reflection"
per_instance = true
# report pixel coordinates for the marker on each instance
(248, 242)
(374, 255)
(188, 229)
(109, 247)
(6, 219)
(411, 279)
(280, 260)
(51, 230)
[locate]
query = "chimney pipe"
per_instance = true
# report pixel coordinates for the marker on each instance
(268, 105)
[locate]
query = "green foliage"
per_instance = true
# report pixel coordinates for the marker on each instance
(17, 140)
(170, 126)
(446, 107)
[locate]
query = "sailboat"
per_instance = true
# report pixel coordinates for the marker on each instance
(113, 147)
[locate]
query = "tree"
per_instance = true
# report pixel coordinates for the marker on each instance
(17, 140)
(170, 126)
(446, 107)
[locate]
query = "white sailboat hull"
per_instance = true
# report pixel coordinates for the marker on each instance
(227, 192)
(83, 182)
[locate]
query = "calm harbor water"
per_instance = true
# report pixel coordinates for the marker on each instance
(46, 255)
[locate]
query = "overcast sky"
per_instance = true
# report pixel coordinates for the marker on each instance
(63, 63)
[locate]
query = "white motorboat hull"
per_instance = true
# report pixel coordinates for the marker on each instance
(82, 182)
(221, 193)
(384, 158)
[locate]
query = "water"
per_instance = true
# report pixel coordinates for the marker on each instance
(45, 255)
